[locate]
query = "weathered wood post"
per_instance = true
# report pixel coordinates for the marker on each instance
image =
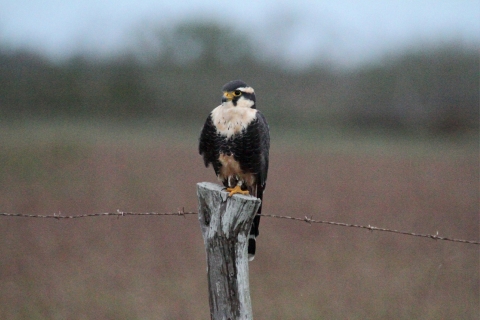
(225, 224)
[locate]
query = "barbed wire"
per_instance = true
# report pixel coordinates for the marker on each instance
(183, 213)
(117, 214)
(372, 228)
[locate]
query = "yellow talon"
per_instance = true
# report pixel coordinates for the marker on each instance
(235, 190)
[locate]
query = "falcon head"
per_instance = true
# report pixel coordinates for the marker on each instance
(238, 94)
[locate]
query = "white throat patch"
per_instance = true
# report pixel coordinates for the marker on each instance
(230, 119)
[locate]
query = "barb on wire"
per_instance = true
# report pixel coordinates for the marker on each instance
(182, 212)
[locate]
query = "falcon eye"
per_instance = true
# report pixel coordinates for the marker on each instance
(236, 93)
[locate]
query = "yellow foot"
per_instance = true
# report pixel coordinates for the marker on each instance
(235, 190)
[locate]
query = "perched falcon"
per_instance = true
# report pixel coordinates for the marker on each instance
(235, 140)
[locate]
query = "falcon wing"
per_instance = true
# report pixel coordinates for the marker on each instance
(257, 140)
(208, 145)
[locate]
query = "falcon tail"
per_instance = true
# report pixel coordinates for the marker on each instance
(252, 242)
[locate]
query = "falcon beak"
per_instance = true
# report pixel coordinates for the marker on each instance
(227, 96)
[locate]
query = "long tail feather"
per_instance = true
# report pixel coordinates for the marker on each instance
(254, 232)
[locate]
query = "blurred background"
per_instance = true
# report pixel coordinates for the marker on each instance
(374, 116)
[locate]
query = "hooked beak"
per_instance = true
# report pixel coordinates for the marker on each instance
(227, 96)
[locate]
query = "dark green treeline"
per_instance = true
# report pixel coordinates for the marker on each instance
(177, 75)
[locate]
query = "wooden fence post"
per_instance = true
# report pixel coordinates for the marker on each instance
(225, 224)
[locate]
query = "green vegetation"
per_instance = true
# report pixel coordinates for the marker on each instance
(176, 75)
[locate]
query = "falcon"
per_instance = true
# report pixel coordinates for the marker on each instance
(235, 140)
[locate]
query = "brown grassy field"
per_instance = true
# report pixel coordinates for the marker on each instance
(154, 267)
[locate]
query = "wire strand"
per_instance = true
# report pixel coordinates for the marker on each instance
(183, 213)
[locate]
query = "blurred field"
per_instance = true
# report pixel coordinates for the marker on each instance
(154, 267)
